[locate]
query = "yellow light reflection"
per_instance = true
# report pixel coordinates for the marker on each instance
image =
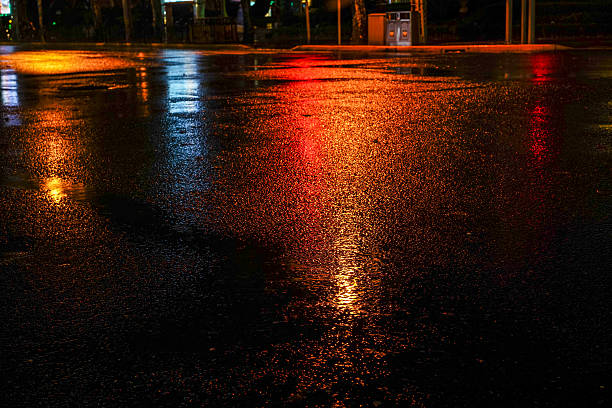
(54, 187)
(346, 298)
(347, 275)
(54, 149)
(58, 189)
(64, 62)
(321, 185)
(143, 90)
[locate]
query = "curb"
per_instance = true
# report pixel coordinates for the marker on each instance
(439, 49)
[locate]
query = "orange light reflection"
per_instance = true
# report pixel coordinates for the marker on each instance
(54, 187)
(64, 62)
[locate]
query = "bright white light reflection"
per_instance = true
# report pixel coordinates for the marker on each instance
(183, 82)
(8, 80)
(185, 107)
(10, 97)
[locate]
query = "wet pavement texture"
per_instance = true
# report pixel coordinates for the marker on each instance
(188, 228)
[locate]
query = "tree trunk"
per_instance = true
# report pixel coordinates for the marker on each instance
(97, 16)
(248, 26)
(127, 21)
(360, 28)
(157, 20)
(41, 27)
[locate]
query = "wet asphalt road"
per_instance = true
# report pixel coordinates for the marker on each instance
(183, 228)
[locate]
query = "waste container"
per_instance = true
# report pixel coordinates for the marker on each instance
(376, 28)
(398, 28)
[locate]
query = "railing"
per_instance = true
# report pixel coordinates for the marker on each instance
(214, 30)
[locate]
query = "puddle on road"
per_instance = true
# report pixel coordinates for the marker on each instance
(58, 189)
(55, 188)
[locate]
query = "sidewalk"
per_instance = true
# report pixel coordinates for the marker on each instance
(439, 49)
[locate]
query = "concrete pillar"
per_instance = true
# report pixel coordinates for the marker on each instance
(531, 32)
(508, 21)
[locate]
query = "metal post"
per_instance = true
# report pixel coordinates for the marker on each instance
(423, 21)
(126, 20)
(41, 27)
(523, 21)
(339, 33)
(532, 12)
(307, 23)
(508, 21)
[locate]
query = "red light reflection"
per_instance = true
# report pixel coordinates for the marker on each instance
(542, 66)
(539, 133)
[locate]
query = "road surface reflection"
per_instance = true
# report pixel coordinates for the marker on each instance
(183, 227)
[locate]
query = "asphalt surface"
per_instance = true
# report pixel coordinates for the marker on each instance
(192, 228)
